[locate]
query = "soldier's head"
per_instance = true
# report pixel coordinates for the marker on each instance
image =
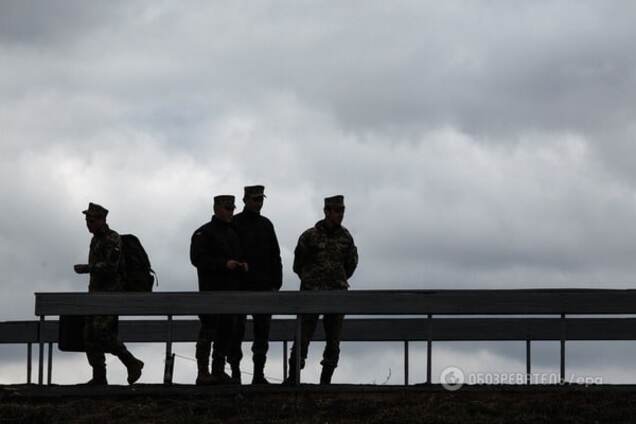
(334, 210)
(224, 207)
(95, 217)
(253, 198)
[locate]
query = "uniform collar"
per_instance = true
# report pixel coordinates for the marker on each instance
(250, 214)
(323, 227)
(217, 221)
(102, 231)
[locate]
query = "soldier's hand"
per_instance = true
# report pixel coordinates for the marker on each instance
(81, 268)
(245, 266)
(232, 264)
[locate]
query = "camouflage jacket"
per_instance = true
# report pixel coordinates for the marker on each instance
(324, 259)
(105, 261)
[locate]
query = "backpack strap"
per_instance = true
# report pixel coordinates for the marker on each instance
(153, 272)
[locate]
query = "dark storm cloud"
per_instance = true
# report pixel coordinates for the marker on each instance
(37, 22)
(495, 72)
(555, 66)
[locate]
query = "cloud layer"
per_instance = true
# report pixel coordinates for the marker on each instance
(478, 144)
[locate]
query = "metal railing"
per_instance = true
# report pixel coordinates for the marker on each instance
(429, 303)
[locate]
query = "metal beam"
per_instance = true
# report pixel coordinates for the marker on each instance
(362, 302)
(367, 329)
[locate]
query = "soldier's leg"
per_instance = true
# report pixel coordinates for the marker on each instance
(333, 331)
(94, 353)
(97, 360)
(204, 347)
(308, 324)
(106, 327)
(262, 323)
(132, 364)
(236, 343)
(220, 347)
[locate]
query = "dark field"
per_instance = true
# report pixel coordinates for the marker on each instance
(314, 404)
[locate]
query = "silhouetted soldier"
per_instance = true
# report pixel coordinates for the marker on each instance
(324, 259)
(261, 250)
(215, 251)
(105, 266)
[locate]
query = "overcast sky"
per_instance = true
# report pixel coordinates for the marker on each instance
(478, 144)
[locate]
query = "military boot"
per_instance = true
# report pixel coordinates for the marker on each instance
(291, 378)
(259, 372)
(203, 377)
(236, 373)
(326, 374)
(134, 370)
(99, 377)
(133, 365)
(218, 373)
(203, 364)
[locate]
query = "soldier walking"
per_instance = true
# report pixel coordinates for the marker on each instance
(262, 252)
(105, 266)
(215, 251)
(324, 259)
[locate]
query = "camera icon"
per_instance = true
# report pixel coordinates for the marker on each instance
(452, 378)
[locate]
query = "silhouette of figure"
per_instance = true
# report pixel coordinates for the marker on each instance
(215, 251)
(324, 259)
(105, 267)
(262, 252)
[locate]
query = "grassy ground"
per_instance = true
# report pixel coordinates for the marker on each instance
(316, 405)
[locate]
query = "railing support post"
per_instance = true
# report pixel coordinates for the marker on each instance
(169, 364)
(528, 363)
(41, 351)
(49, 372)
(406, 362)
(284, 359)
(298, 348)
(563, 329)
(29, 361)
(429, 350)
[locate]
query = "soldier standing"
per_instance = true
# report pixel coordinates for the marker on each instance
(105, 266)
(215, 251)
(262, 252)
(324, 259)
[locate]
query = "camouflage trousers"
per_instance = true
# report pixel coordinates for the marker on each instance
(100, 336)
(215, 335)
(333, 330)
(260, 346)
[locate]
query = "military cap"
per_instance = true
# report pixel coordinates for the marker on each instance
(96, 210)
(254, 191)
(334, 201)
(224, 200)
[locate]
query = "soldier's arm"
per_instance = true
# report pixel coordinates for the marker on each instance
(82, 268)
(108, 257)
(351, 259)
(300, 253)
(203, 255)
(277, 265)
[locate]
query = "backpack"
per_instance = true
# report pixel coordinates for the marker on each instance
(138, 274)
